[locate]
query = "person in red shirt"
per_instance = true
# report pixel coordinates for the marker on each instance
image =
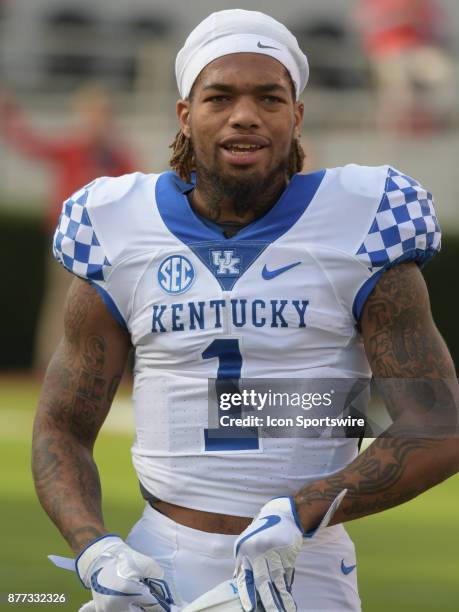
(389, 26)
(93, 149)
(402, 40)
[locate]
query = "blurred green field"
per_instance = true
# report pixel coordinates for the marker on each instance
(407, 557)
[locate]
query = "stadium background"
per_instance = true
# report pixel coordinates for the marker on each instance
(407, 557)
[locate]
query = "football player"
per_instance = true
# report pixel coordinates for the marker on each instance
(235, 265)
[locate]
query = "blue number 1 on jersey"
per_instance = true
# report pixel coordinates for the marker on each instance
(229, 371)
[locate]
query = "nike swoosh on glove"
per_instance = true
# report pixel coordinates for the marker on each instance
(266, 553)
(121, 578)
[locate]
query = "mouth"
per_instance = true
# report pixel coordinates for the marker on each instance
(243, 150)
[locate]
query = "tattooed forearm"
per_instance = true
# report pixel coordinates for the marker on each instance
(390, 472)
(67, 484)
(47, 462)
(77, 393)
(416, 377)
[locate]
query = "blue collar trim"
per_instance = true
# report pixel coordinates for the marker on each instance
(250, 241)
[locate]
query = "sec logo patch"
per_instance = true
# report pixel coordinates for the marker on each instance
(175, 274)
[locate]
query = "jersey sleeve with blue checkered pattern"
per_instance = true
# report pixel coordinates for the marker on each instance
(76, 245)
(96, 231)
(405, 227)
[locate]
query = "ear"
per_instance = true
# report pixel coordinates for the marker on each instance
(183, 115)
(299, 114)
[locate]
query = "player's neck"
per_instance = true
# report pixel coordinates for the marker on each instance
(241, 205)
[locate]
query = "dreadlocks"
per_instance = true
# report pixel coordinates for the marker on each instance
(182, 159)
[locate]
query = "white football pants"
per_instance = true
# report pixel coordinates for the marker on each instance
(196, 561)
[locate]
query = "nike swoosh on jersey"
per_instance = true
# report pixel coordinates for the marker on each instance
(269, 274)
(271, 520)
(347, 569)
(260, 46)
(100, 588)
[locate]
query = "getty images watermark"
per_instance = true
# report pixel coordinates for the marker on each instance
(345, 407)
(259, 401)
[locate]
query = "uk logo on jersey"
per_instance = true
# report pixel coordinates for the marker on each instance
(175, 274)
(225, 262)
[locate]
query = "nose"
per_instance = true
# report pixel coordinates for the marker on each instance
(244, 114)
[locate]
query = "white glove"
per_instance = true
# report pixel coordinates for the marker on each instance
(266, 553)
(122, 579)
(265, 557)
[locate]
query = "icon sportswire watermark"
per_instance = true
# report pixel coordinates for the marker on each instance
(345, 407)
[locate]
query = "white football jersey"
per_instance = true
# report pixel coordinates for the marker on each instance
(279, 300)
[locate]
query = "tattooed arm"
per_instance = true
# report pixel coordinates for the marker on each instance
(78, 390)
(402, 343)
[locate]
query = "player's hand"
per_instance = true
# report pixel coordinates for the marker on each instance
(265, 557)
(122, 579)
(266, 553)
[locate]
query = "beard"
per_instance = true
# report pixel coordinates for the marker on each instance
(252, 191)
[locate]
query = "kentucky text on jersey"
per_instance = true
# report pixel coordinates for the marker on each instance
(190, 316)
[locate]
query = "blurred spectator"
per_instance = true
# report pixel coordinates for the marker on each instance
(404, 41)
(334, 60)
(93, 149)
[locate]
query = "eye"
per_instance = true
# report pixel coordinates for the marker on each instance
(272, 99)
(218, 99)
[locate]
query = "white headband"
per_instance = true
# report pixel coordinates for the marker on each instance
(239, 31)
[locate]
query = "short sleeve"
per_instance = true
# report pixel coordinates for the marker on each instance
(76, 245)
(405, 228)
(78, 248)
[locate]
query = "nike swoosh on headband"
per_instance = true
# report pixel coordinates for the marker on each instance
(261, 46)
(271, 520)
